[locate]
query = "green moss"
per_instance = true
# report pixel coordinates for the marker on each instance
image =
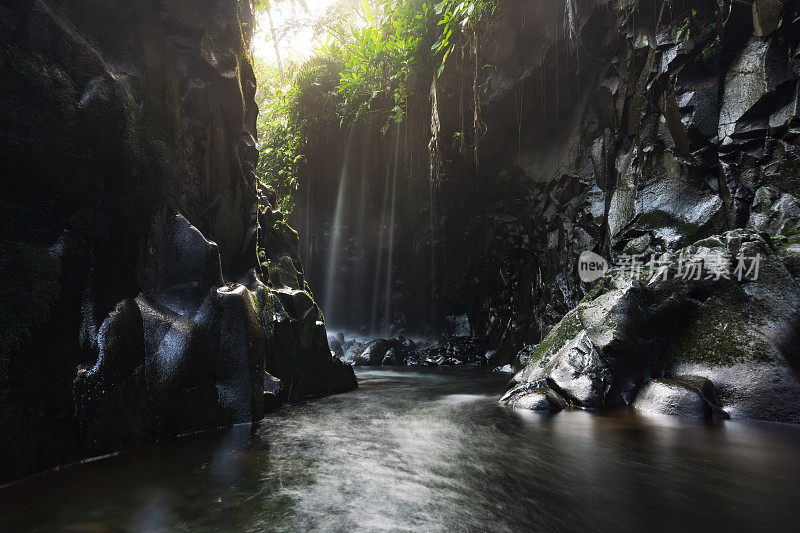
(567, 329)
(720, 337)
(293, 346)
(660, 219)
(267, 311)
(282, 273)
(599, 289)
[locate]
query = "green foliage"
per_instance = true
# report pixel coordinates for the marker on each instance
(380, 58)
(260, 6)
(691, 25)
(281, 142)
(459, 16)
(373, 60)
(685, 30)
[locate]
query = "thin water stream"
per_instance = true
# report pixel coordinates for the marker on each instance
(431, 450)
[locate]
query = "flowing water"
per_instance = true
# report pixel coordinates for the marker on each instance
(431, 450)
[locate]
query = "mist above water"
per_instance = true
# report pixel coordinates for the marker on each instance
(362, 241)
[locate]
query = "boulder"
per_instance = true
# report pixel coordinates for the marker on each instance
(336, 346)
(373, 353)
(534, 397)
(579, 374)
(774, 212)
(674, 397)
(393, 358)
(240, 356)
(272, 392)
(179, 370)
(110, 397)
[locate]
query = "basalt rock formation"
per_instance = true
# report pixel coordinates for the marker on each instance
(150, 288)
(689, 132)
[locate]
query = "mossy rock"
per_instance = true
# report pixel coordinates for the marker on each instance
(282, 273)
(567, 329)
(739, 333)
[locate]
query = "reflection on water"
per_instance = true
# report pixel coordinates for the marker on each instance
(431, 450)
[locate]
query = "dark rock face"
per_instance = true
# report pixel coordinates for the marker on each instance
(150, 281)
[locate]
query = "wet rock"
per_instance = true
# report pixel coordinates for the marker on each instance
(152, 260)
(758, 71)
(790, 252)
(272, 385)
(373, 353)
(712, 327)
(352, 348)
(296, 304)
(673, 397)
(240, 363)
(272, 392)
(522, 357)
(110, 397)
(774, 212)
(442, 360)
(534, 398)
(766, 15)
(782, 169)
(336, 346)
(578, 373)
(393, 358)
(402, 351)
(301, 358)
(179, 370)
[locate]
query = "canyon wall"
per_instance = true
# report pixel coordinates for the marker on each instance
(150, 287)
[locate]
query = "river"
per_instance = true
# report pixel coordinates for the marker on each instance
(431, 450)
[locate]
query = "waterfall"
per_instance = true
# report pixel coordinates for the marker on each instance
(390, 254)
(335, 242)
(376, 285)
(571, 19)
(360, 281)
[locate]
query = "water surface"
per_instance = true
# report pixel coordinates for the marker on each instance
(431, 450)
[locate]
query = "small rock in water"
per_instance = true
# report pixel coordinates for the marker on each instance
(373, 353)
(534, 397)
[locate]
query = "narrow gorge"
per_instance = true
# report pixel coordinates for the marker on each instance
(399, 265)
